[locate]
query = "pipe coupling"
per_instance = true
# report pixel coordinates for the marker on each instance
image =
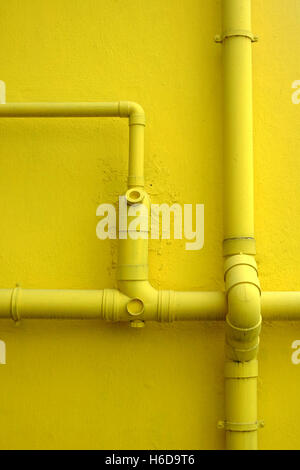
(240, 427)
(110, 305)
(237, 32)
(164, 307)
(14, 307)
(240, 269)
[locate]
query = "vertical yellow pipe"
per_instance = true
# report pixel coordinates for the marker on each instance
(133, 242)
(136, 155)
(242, 285)
(238, 131)
(137, 124)
(132, 273)
(241, 405)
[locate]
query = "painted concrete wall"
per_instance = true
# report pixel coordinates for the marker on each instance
(95, 385)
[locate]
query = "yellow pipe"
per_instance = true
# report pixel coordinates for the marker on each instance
(111, 305)
(281, 306)
(212, 306)
(241, 405)
(132, 273)
(123, 109)
(133, 277)
(18, 303)
(136, 145)
(238, 128)
(198, 306)
(133, 240)
(243, 320)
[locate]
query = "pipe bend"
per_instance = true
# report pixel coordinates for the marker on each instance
(244, 309)
(133, 111)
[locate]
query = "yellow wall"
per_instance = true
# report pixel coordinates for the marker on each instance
(96, 385)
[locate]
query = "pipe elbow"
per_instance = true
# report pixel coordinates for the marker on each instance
(133, 111)
(243, 321)
(135, 108)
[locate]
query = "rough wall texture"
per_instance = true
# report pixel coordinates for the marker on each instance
(95, 385)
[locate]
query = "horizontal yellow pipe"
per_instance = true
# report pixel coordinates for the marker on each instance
(281, 306)
(123, 109)
(198, 306)
(21, 303)
(110, 304)
(79, 109)
(212, 306)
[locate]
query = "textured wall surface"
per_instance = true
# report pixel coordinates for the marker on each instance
(96, 385)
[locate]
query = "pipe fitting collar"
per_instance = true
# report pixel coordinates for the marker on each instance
(137, 120)
(14, 304)
(248, 277)
(164, 308)
(240, 427)
(135, 196)
(237, 32)
(237, 245)
(239, 260)
(110, 306)
(237, 333)
(238, 354)
(241, 370)
(135, 307)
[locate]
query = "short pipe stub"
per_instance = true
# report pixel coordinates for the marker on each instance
(135, 307)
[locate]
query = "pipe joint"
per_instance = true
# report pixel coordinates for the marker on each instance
(110, 305)
(236, 33)
(135, 195)
(242, 274)
(133, 111)
(241, 351)
(135, 307)
(165, 312)
(142, 299)
(239, 260)
(241, 370)
(240, 427)
(243, 321)
(136, 114)
(236, 245)
(14, 306)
